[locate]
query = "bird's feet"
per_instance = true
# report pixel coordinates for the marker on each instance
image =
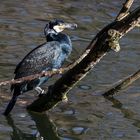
(40, 91)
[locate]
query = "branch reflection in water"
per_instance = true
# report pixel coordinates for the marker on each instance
(128, 114)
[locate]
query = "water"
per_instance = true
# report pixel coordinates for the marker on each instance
(87, 115)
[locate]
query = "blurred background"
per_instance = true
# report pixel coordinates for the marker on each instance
(87, 115)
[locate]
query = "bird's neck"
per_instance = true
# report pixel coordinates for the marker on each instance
(62, 38)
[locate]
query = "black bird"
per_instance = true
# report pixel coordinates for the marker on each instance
(48, 56)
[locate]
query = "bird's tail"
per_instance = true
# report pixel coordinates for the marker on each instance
(10, 105)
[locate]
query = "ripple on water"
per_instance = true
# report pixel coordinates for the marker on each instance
(22, 115)
(84, 87)
(118, 134)
(78, 130)
(69, 112)
(67, 138)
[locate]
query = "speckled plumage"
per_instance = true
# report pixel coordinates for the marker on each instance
(47, 56)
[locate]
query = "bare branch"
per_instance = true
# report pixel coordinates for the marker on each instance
(124, 84)
(125, 10)
(31, 77)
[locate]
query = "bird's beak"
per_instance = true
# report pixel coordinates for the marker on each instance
(62, 26)
(69, 25)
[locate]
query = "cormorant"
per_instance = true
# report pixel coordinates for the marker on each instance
(48, 56)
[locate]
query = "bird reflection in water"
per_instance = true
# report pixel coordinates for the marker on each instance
(46, 130)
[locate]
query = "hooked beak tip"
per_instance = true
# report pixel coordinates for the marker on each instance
(73, 26)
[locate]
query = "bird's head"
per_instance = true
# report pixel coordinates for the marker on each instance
(56, 26)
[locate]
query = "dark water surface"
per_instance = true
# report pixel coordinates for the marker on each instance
(87, 115)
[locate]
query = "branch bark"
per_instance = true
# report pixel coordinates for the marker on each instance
(125, 10)
(31, 77)
(103, 42)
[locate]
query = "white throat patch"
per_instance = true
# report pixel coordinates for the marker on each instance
(58, 28)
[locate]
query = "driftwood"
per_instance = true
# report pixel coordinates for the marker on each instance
(106, 40)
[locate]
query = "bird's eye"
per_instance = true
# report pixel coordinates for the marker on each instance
(60, 24)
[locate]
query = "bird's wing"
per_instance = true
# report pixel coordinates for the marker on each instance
(41, 58)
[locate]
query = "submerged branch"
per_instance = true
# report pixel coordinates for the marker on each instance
(106, 40)
(124, 84)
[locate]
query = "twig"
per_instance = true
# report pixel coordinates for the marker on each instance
(125, 10)
(31, 77)
(124, 84)
(45, 73)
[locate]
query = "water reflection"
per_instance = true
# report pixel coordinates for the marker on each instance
(126, 112)
(17, 134)
(46, 130)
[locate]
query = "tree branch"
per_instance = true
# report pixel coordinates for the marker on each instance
(32, 77)
(125, 10)
(104, 41)
(124, 84)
